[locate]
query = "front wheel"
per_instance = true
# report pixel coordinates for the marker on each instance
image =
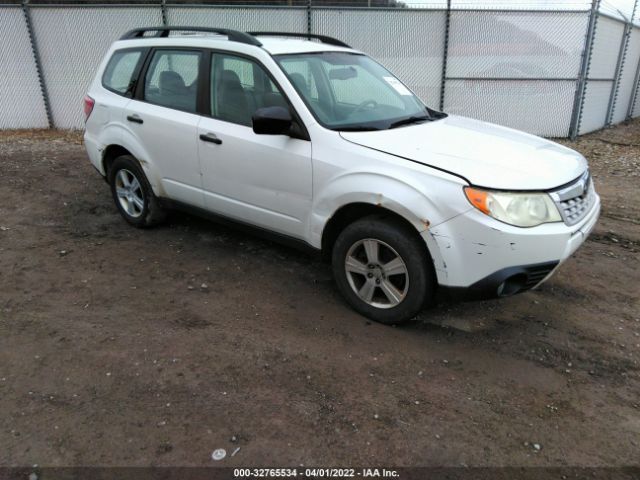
(383, 269)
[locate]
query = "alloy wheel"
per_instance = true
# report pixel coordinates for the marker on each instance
(129, 192)
(377, 273)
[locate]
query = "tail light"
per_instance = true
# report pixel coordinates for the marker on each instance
(88, 106)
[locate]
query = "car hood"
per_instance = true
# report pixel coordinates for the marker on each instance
(484, 154)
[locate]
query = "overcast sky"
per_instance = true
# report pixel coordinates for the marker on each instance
(610, 6)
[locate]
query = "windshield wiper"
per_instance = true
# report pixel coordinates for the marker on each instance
(410, 120)
(358, 128)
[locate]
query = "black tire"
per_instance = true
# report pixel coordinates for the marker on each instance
(394, 238)
(145, 211)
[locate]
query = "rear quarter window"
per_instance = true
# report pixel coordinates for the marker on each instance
(119, 74)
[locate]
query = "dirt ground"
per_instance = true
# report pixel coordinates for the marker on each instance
(127, 347)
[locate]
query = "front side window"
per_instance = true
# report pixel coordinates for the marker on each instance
(347, 91)
(239, 87)
(172, 79)
(118, 76)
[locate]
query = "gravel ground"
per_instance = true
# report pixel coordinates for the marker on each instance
(127, 347)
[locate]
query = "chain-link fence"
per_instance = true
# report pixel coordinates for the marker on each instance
(552, 71)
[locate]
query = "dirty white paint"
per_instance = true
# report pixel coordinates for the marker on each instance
(294, 187)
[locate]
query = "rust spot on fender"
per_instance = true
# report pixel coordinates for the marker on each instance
(426, 223)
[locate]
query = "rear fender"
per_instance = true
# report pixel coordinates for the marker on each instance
(131, 143)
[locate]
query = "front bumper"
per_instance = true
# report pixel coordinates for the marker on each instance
(475, 256)
(503, 283)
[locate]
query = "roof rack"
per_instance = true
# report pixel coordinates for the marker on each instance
(232, 35)
(322, 38)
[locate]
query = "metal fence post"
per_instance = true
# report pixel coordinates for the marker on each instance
(622, 55)
(581, 83)
(635, 92)
(445, 55)
(309, 30)
(163, 12)
(36, 58)
(616, 76)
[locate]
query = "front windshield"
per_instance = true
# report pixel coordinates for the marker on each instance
(347, 91)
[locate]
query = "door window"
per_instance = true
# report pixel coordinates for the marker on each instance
(239, 87)
(172, 79)
(118, 76)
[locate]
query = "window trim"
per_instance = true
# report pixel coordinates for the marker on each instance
(135, 75)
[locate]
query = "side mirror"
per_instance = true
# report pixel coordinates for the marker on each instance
(272, 121)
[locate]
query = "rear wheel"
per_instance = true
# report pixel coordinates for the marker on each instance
(383, 269)
(132, 193)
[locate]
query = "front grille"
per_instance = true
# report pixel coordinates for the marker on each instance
(575, 200)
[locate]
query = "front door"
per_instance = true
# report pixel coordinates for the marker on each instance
(265, 180)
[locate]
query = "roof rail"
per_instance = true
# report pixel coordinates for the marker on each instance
(322, 38)
(232, 35)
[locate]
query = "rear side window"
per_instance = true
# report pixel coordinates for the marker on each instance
(172, 79)
(119, 74)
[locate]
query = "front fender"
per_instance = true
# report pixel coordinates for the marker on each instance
(401, 196)
(382, 191)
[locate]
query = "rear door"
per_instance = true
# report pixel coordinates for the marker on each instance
(163, 117)
(265, 180)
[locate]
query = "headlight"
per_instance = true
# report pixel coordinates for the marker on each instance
(520, 209)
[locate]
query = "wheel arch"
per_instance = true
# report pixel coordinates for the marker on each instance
(116, 149)
(352, 212)
(110, 153)
(344, 198)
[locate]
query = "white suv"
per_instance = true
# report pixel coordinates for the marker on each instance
(315, 142)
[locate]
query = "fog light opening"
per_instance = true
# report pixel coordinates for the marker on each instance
(512, 285)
